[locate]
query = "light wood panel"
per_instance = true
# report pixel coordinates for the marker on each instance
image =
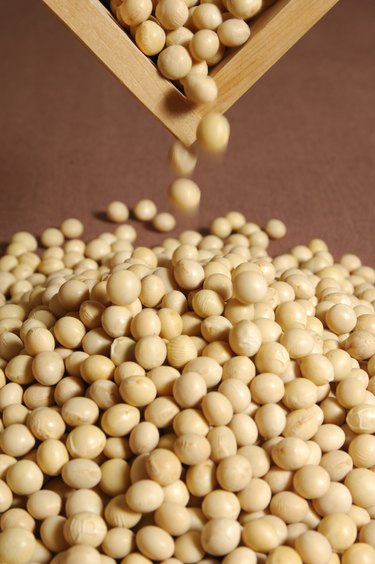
(273, 33)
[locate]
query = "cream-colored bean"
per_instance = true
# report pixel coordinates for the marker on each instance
(85, 441)
(213, 130)
(79, 553)
(204, 45)
(340, 531)
(311, 481)
(16, 440)
(217, 408)
(165, 221)
(81, 473)
(69, 332)
(150, 39)
(176, 492)
(270, 419)
(104, 393)
(267, 388)
(115, 476)
(71, 228)
(192, 449)
(189, 389)
(10, 394)
(151, 36)
(183, 192)
(161, 412)
(6, 496)
(171, 14)
(180, 350)
(234, 32)
(245, 338)
(303, 423)
(138, 391)
(189, 546)
(313, 547)
(362, 451)
(181, 36)
(24, 477)
(144, 496)
(38, 339)
(51, 456)
(237, 392)
(272, 357)
(199, 90)
(80, 411)
(223, 443)
(361, 418)
(123, 287)
(163, 466)
(51, 533)
(120, 419)
(361, 484)
(38, 395)
(15, 413)
(290, 453)
(300, 393)
(201, 478)
(134, 13)
(118, 543)
(260, 535)
(152, 290)
(173, 518)
(46, 423)
(17, 517)
(234, 473)
(118, 514)
(155, 543)
(360, 344)
(291, 508)
(82, 500)
(43, 504)
(259, 459)
(189, 274)
(207, 367)
(85, 528)
(174, 62)
(337, 463)
(221, 536)
(358, 552)
(337, 499)
(18, 369)
(171, 323)
(17, 545)
(182, 160)
(244, 429)
(244, 9)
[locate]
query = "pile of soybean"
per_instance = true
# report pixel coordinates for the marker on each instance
(198, 401)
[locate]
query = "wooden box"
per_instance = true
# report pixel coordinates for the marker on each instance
(273, 32)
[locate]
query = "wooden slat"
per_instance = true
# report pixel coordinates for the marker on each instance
(94, 25)
(272, 35)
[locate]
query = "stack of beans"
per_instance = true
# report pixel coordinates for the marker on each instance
(187, 36)
(198, 401)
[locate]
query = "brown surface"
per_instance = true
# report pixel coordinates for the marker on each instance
(302, 145)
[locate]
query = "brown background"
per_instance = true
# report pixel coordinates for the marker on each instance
(302, 145)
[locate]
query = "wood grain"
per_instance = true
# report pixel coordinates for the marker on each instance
(272, 34)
